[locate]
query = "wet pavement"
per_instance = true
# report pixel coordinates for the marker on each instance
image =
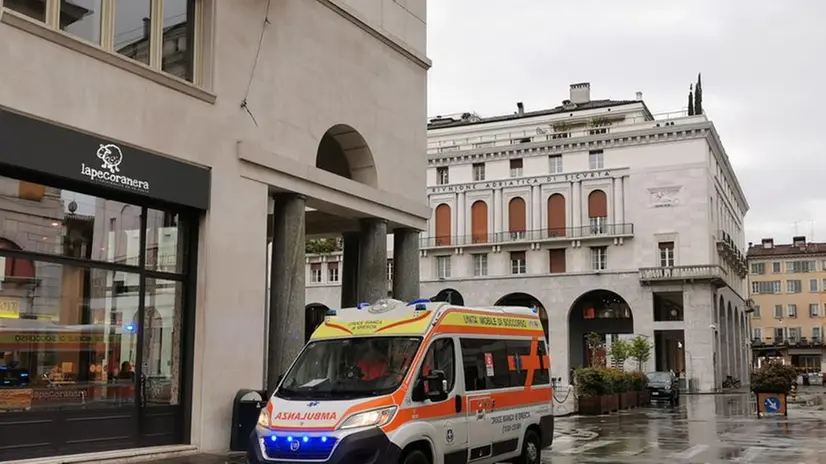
(702, 429)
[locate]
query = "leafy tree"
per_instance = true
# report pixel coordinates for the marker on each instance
(640, 351)
(620, 352)
(597, 348)
(322, 246)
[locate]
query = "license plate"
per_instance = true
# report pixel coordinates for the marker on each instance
(655, 393)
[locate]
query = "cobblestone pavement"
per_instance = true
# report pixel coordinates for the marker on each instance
(703, 429)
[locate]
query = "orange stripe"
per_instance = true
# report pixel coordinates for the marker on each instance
(492, 313)
(408, 321)
(340, 327)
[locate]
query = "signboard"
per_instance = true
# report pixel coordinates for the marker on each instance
(771, 404)
(9, 308)
(489, 364)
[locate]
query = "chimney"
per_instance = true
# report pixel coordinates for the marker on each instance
(520, 109)
(768, 243)
(639, 96)
(147, 28)
(799, 241)
(751, 244)
(581, 93)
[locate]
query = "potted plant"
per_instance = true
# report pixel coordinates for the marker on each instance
(625, 394)
(594, 389)
(772, 384)
(639, 384)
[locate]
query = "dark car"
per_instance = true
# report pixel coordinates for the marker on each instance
(664, 386)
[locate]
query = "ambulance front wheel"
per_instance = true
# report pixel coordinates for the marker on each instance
(415, 457)
(531, 449)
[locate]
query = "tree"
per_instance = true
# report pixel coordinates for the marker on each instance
(640, 351)
(690, 100)
(698, 96)
(597, 348)
(620, 352)
(322, 246)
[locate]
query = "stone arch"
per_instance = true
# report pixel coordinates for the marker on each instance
(517, 215)
(527, 300)
(344, 152)
(556, 215)
(597, 204)
(479, 221)
(601, 311)
(442, 219)
(314, 314)
(449, 295)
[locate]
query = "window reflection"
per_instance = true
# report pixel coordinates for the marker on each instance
(81, 18)
(133, 29)
(176, 46)
(162, 342)
(164, 242)
(73, 341)
(35, 9)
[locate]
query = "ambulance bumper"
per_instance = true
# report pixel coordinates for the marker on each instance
(370, 446)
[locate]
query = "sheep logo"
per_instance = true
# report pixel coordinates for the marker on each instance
(111, 156)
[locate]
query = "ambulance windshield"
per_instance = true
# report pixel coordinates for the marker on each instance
(350, 368)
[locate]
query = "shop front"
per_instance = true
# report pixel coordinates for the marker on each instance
(98, 248)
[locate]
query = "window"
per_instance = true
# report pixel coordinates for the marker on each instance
(814, 309)
(518, 262)
(758, 268)
(555, 164)
(778, 334)
(441, 356)
(757, 333)
(797, 267)
(315, 273)
(778, 311)
(443, 267)
(599, 258)
(770, 286)
(390, 269)
(595, 159)
(792, 311)
(492, 364)
(813, 285)
(557, 265)
(478, 172)
(815, 334)
(332, 272)
(516, 168)
(756, 313)
(598, 225)
(776, 267)
(794, 334)
(127, 28)
(442, 176)
(794, 286)
(666, 254)
(480, 264)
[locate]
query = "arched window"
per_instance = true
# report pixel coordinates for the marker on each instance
(556, 215)
(479, 222)
(517, 218)
(598, 212)
(443, 226)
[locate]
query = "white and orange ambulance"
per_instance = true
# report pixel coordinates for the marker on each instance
(413, 383)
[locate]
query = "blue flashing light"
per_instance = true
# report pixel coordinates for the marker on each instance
(273, 438)
(129, 328)
(289, 438)
(362, 305)
(323, 439)
(418, 301)
(306, 439)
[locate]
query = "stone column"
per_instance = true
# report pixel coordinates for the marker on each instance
(406, 264)
(576, 213)
(498, 213)
(619, 213)
(372, 271)
(287, 285)
(349, 269)
(461, 219)
(738, 358)
(724, 345)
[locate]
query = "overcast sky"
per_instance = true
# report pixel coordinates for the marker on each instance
(763, 66)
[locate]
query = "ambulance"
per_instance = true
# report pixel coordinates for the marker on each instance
(413, 383)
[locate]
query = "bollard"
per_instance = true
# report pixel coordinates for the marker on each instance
(793, 393)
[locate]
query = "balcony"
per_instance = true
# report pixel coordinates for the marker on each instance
(530, 236)
(786, 342)
(731, 254)
(710, 273)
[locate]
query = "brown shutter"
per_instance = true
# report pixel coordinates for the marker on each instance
(315, 266)
(516, 164)
(332, 265)
(443, 229)
(30, 191)
(557, 260)
(516, 215)
(666, 245)
(479, 221)
(597, 204)
(556, 215)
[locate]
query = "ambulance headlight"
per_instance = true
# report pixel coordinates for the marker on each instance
(374, 418)
(264, 418)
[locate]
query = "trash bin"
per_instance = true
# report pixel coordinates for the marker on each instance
(245, 409)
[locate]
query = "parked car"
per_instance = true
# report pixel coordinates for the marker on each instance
(664, 386)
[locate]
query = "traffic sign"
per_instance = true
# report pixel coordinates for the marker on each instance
(772, 405)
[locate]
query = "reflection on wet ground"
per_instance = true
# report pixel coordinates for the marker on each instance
(703, 429)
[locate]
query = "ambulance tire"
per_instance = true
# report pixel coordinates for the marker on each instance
(415, 457)
(531, 449)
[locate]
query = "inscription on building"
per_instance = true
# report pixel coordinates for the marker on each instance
(497, 184)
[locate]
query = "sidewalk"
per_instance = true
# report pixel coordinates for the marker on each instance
(234, 458)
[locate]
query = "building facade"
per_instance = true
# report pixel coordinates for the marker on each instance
(607, 218)
(787, 284)
(161, 162)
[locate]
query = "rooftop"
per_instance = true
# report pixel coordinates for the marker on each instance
(799, 247)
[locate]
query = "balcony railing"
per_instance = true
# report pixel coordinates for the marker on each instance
(560, 233)
(801, 342)
(707, 272)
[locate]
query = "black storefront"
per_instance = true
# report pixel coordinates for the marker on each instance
(98, 250)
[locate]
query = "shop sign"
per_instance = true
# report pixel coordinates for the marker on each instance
(9, 308)
(109, 172)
